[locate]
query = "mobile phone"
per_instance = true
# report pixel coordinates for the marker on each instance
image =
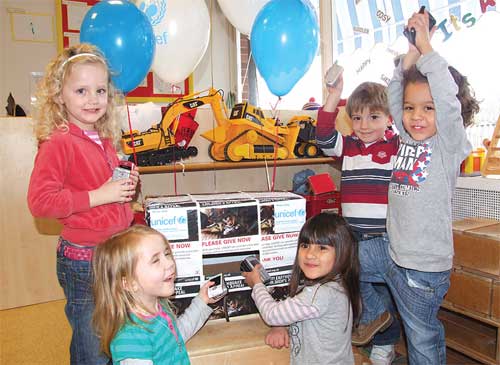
(333, 74)
(123, 170)
(249, 263)
(219, 289)
(411, 34)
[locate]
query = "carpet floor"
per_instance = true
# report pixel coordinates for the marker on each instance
(35, 335)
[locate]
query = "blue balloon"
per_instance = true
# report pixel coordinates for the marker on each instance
(284, 41)
(125, 36)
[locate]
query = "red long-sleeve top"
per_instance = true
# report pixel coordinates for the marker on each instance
(67, 167)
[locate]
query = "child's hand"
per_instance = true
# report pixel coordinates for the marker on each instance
(134, 176)
(253, 277)
(337, 87)
(117, 191)
(204, 293)
(278, 337)
(420, 22)
(334, 94)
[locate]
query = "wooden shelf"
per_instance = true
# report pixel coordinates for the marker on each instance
(470, 337)
(207, 166)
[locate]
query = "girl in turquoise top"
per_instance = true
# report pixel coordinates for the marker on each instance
(134, 273)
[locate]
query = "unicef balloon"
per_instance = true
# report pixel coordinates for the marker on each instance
(125, 36)
(242, 13)
(182, 31)
(284, 41)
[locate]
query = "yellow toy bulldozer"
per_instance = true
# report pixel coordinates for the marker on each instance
(249, 135)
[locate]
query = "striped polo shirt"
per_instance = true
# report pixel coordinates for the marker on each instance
(366, 173)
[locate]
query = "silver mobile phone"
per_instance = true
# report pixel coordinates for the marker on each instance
(333, 74)
(122, 171)
(219, 289)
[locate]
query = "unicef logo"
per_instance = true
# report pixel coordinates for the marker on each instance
(155, 11)
(302, 212)
(181, 220)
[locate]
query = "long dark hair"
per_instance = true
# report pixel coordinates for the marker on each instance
(331, 230)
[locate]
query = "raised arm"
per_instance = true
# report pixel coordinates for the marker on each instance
(327, 137)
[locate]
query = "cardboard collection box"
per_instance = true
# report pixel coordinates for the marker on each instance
(177, 219)
(213, 233)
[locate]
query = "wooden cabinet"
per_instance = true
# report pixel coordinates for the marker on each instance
(471, 309)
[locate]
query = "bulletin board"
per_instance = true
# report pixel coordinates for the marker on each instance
(69, 17)
(31, 27)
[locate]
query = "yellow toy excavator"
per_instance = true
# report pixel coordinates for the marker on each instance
(251, 136)
(158, 145)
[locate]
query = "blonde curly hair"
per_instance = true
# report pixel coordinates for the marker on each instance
(50, 114)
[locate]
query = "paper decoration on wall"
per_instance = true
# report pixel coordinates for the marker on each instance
(376, 65)
(385, 24)
(30, 27)
(361, 30)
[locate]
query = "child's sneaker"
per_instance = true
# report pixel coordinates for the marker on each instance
(363, 333)
(382, 355)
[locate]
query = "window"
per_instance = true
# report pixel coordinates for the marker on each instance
(310, 85)
(367, 35)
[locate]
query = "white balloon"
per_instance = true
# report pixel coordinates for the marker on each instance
(182, 31)
(242, 13)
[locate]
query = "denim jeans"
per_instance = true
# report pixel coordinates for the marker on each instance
(75, 277)
(379, 295)
(418, 296)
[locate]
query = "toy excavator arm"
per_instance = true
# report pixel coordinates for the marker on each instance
(193, 101)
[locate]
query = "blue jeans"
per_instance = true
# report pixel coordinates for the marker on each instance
(418, 296)
(392, 334)
(75, 277)
(374, 294)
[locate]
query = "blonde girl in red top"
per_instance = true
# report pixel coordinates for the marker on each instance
(71, 179)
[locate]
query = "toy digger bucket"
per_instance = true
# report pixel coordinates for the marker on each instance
(186, 128)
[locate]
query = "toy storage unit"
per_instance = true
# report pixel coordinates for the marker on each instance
(471, 309)
(327, 202)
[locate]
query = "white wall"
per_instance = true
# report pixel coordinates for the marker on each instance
(19, 59)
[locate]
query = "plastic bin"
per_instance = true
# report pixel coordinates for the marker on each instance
(327, 202)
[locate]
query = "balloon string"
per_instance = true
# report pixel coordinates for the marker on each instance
(131, 134)
(175, 173)
(275, 158)
(273, 108)
(267, 175)
(273, 181)
(247, 67)
(211, 47)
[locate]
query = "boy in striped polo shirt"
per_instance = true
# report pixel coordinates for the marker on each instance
(368, 157)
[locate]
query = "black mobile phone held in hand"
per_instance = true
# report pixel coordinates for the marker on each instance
(411, 33)
(249, 263)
